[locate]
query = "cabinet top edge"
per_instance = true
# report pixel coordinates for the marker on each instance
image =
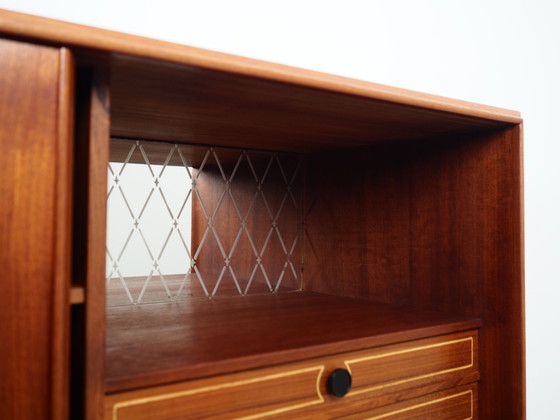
(75, 35)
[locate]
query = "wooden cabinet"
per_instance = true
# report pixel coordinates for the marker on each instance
(406, 268)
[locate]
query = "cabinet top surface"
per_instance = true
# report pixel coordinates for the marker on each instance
(55, 32)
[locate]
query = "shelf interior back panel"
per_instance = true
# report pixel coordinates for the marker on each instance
(187, 221)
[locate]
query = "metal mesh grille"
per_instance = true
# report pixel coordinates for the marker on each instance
(188, 221)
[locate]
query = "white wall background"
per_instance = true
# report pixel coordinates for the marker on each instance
(503, 53)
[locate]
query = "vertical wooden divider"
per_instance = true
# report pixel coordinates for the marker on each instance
(92, 154)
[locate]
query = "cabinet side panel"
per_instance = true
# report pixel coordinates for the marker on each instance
(433, 225)
(467, 253)
(28, 210)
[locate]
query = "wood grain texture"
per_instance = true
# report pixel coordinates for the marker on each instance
(454, 404)
(390, 366)
(63, 33)
(232, 396)
(97, 213)
(432, 225)
(419, 205)
(193, 105)
(34, 276)
(63, 238)
(92, 154)
(155, 344)
(300, 390)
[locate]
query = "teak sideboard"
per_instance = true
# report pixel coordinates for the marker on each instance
(406, 295)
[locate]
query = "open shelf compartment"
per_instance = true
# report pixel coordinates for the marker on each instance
(408, 219)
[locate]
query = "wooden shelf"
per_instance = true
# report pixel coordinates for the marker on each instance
(161, 343)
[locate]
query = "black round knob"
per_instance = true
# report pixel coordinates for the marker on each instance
(340, 382)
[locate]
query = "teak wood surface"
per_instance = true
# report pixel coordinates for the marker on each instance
(195, 105)
(35, 120)
(159, 343)
(455, 403)
(433, 225)
(410, 199)
(92, 134)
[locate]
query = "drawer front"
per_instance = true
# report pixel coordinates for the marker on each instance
(383, 368)
(453, 404)
(264, 393)
(381, 377)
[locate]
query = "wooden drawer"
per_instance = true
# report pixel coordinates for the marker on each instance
(231, 396)
(458, 403)
(381, 376)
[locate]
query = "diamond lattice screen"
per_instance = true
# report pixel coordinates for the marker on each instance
(186, 221)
